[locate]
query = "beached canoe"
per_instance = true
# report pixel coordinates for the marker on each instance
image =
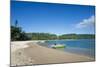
(58, 46)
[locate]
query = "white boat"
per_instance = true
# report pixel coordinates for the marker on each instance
(58, 46)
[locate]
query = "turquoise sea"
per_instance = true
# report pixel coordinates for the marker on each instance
(78, 46)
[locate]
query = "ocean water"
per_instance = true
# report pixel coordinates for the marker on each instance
(78, 46)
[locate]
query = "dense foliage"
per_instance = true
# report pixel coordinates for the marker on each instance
(77, 36)
(42, 36)
(48, 36)
(18, 34)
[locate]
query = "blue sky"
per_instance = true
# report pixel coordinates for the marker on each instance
(53, 18)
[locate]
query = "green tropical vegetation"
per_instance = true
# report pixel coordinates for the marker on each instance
(42, 36)
(77, 36)
(17, 34)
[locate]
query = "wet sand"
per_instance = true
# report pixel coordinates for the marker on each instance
(31, 53)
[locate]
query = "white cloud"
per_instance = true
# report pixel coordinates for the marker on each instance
(86, 22)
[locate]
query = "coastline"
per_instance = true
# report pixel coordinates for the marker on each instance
(31, 53)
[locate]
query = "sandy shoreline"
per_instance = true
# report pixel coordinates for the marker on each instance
(30, 53)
